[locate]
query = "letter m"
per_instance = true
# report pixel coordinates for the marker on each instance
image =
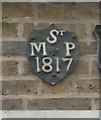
(37, 47)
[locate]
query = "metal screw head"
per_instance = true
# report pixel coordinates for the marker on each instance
(57, 49)
(53, 83)
(32, 37)
(91, 86)
(53, 54)
(74, 36)
(53, 75)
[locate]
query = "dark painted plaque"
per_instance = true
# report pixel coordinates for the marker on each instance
(53, 53)
(97, 35)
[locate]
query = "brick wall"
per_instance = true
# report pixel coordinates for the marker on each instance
(21, 89)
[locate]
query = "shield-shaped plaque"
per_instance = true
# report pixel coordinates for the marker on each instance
(53, 53)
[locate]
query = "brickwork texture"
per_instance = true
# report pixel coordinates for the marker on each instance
(21, 89)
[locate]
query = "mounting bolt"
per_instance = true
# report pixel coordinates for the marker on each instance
(53, 54)
(57, 49)
(53, 83)
(54, 75)
(74, 36)
(91, 86)
(32, 37)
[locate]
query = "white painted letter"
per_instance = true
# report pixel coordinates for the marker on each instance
(47, 67)
(57, 65)
(37, 63)
(52, 33)
(69, 60)
(69, 46)
(62, 32)
(36, 47)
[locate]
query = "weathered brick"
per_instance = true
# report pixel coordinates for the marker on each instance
(86, 11)
(83, 86)
(59, 104)
(81, 68)
(65, 87)
(0, 10)
(19, 87)
(12, 104)
(88, 49)
(78, 28)
(17, 9)
(27, 69)
(0, 87)
(0, 33)
(14, 48)
(20, 48)
(95, 69)
(9, 68)
(0, 68)
(51, 11)
(96, 104)
(80, 14)
(28, 27)
(0, 103)
(9, 30)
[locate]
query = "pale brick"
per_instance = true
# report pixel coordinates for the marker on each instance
(17, 9)
(14, 48)
(59, 104)
(81, 68)
(47, 12)
(9, 30)
(78, 28)
(27, 69)
(86, 11)
(83, 86)
(0, 87)
(0, 103)
(28, 27)
(97, 104)
(19, 87)
(52, 11)
(9, 68)
(12, 104)
(95, 69)
(65, 87)
(0, 11)
(88, 49)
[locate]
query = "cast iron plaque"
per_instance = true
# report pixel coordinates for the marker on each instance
(53, 53)
(97, 35)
